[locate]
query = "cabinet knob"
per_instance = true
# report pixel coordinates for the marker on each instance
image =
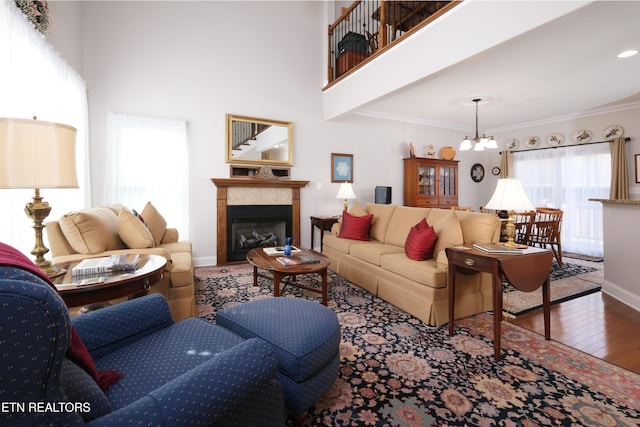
(469, 261)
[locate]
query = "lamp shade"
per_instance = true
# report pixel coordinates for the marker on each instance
(509, 196)
(37, 154)
(345, 191)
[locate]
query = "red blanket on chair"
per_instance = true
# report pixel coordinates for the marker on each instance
(77, 352)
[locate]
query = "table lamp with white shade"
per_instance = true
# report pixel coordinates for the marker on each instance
(510, 196)
(37, 154)
(346, 192)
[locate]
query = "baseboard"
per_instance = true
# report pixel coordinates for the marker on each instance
(205, 261)
(621, 294)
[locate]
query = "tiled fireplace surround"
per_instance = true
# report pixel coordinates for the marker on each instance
(254, 191)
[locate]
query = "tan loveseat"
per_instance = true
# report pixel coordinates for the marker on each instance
(381, 266)
(114, 229)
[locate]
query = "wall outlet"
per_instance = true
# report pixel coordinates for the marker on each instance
(634, 190)
(318, 186)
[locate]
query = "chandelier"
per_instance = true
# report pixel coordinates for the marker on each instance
(481, 143)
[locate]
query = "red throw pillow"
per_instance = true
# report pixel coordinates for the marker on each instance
(421, 241)
(355, 227)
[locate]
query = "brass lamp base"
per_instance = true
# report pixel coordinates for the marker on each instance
(38, 211)
(510, 228)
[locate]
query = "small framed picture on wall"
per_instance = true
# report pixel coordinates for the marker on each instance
(637, 168)
(341, 167)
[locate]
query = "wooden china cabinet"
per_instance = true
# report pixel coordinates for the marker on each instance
(430, 182)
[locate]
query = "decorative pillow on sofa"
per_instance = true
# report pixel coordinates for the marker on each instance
(156, 223)
(449, 233)
(91, 231)
(133, 232)
(421, 241)
(355, 227)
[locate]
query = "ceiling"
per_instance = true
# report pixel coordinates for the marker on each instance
(563, 68)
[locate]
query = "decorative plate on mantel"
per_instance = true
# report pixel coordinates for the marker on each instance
(448, 153)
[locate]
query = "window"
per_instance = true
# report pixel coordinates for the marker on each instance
(35, 80)
(567, 177)
(147, 160)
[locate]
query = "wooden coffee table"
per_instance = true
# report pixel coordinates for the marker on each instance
(116, 285)
(260, 260)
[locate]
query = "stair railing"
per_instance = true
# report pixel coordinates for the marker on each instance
(367, 28)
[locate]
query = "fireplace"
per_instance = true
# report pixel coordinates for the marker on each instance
(255, 194)
(255, 226)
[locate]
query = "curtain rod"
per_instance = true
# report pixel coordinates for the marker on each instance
(627, 139)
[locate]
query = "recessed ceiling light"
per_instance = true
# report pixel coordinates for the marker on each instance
(627, 53)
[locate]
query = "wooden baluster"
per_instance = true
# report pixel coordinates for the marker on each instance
(382, 29)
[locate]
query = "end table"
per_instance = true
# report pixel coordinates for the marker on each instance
(526, 272)
(323, 223)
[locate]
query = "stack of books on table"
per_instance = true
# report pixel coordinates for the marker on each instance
(500, 248)
(279, 250)
(297, 260)
(106, 265)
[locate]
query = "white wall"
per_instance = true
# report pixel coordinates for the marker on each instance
(621, 235)
(200, 60)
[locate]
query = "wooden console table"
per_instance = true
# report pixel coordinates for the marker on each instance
(526, 272)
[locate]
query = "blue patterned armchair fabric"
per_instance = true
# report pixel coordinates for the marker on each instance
(187, 373)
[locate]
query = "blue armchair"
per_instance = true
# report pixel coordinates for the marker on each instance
(187, 373)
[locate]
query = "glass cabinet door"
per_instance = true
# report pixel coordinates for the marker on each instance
(447, 181)
(427, 180)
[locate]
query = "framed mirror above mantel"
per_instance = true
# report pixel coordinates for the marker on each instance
(254, 141)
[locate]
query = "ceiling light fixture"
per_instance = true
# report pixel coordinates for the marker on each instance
(481, 143)
(628, 53)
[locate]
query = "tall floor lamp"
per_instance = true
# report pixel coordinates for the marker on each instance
(37, 154)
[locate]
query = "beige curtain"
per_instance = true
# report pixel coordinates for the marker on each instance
(619, 171)
(506, 164)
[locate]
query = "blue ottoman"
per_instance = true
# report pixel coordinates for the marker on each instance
(305, 336)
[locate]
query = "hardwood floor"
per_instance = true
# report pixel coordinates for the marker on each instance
(596, 324)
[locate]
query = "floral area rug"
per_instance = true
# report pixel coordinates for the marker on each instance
(396, 371)
(569, 281)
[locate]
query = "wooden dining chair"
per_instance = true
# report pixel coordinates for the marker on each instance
(545, 231)
(462, 208)
(523, 222)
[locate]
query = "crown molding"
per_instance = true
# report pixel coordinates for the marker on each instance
(550, 120)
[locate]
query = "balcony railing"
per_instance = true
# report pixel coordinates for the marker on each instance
(367, 28)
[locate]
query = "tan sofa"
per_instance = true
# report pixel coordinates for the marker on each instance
(114, 229)
(381, 266)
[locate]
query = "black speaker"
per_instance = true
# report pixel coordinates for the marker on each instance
(383, 195)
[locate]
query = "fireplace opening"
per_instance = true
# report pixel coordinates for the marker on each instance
(253, 226)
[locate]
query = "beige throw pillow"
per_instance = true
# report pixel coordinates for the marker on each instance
(155, 221)
(91, 231)
(449, 233)
(133, 233)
